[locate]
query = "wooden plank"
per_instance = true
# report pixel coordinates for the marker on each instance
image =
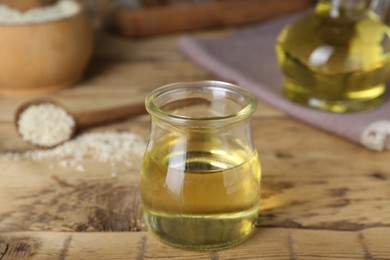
(313, 185)
(189, 17)
(266, 243)
(313, 180)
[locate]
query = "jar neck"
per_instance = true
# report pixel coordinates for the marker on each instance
(200, 105)
(343, 9)
(213, 127)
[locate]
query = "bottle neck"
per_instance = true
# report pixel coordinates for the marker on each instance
(343, 9)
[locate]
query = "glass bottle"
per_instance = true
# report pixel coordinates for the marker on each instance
(336, 58)
(200, 179)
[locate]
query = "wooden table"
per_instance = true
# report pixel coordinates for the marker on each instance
(322, 197)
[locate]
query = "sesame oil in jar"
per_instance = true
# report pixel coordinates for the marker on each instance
(219, 202)
(200, 186)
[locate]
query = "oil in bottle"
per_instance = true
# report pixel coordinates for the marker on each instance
(336, 59)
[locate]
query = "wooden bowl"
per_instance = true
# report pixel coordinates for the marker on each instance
(37, 58)
(24, 5)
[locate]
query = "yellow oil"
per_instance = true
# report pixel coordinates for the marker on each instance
(200, 192)
(338, 64)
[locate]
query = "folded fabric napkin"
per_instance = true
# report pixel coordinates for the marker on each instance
(248, 58)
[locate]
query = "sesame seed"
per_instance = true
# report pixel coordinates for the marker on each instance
(45, 125)
(80, 168)
(109, 147)
(57, 11)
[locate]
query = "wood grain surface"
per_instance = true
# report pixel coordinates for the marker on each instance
(267, 243)
(196, 16)
(322, 197)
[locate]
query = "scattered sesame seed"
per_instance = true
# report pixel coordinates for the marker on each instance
(106, 147)
(64, 164)
(80, 168)
(127, 163)
(14, 156)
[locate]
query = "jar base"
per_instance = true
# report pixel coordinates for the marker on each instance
(202, 232)
(215, 247)
(359, 101)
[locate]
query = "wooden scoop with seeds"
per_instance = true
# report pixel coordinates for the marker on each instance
(46, 123)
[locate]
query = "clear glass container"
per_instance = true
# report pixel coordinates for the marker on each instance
(338, 57)
(200, 179)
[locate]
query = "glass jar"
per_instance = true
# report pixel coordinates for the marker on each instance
(336, 58)
(200, 180)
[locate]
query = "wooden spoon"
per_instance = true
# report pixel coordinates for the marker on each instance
(24, 5)
(83, 120)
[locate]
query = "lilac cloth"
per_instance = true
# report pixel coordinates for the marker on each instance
(247, 57)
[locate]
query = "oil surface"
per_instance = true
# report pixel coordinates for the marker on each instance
(200, 192)
(337, 64)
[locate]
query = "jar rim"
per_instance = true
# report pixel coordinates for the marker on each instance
(249, 103)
